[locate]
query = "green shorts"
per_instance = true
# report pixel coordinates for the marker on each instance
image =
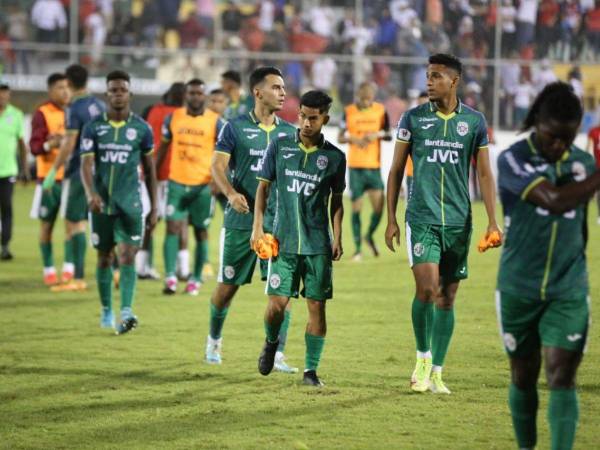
(195, 201)
(362, 180)
(108, 230)
(443, 245)
(526, 323)
(288, 269)
(75, 201)
(237, 260)
(46, 204)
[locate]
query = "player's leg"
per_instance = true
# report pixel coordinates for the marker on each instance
(76, 215)
(183, 254)
(176, 213)
(201, 210)
(200, 258)
(6, 214)
(144, 257)
(48, 211)
(274, 317)
(356, 193)
(101, 233)
(377, 198)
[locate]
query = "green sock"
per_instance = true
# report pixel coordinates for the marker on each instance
(375, 219)
(523, 405)
(314, 348)
(47, 258)
(563, 414)
(68, 251)
(200, 258)
(151, 251)
(421, 321)
(272, 331)
(356, 230)
(429, 324)
(217, 319)
(170, 249)
(127, 285)
(79, 246)
(104, 281)
(283, 330)
(443, 326)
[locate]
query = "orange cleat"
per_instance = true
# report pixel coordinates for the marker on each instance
(66, 277)
(492, 241)
(50, 279)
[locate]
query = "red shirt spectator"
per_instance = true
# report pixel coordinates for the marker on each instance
(594, 141)
(592, 20)
(548, 13)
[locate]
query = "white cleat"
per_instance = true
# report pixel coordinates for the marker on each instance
(281, 365)
(213, 350)
(436, 385)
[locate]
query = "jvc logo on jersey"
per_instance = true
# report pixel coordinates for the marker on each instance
(301, 187)
(442, 156)
(258, 166)
(111, 156)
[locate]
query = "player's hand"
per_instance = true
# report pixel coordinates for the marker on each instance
(494, 228)
(257, 235)
(95, 203)
(151, 220)
(392, 232)
(239, 203)
(336, 250)
(49, 179)
(54, 140)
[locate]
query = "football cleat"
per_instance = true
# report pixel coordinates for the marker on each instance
(213, 350)
(66, 277)
(419, 381)
(266, 360)
(192, 287)
(170, 286)
(436, 385)
(51, 279)
(371, 243)
(310, 378)
(107, 319)
(281, 365)
(6, 255)
(127, 324)
(357, 257)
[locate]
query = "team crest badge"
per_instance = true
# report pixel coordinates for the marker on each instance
(578, 170)
(95, 239)
(462, 128)
(131, 134)
(229, 272)
(170, 210)
(275, 281)
(419, 249)
(87, 144)
(509, 342)
(322, 162)
(403, 134)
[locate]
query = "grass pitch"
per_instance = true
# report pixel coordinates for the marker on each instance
(65, 383)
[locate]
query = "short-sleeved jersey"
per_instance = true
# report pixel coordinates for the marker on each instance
(594, 136)
(11, 130)
(441, 147)
(245, 139)
(543, 254)
(303, 179)
(192, 145)
(81, 110)
(359, 122)
(117, 148)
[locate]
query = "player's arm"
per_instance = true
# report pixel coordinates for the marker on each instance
(488, 192)
(560, 199)
(394, 182)
(385, 132)
(150, 180)
(265, 177)
(336, 210)
(66, 149)
(24, 169)
(87, 169)
(165, 141)
(40, 141)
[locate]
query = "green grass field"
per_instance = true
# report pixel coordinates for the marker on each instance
(65, 383)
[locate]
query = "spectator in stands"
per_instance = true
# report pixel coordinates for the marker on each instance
(385, 36)
(402, 13)
(548, 22)
(508, 15)
(524, 94)
(48, 17)
(266, 15)
(323, 73)
(526, 19)
(592, 28)
(231, 17)
(17, 22)
(95, 36)
(545, 76)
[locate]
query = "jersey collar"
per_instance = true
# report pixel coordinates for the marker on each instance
(314, 148)
(434, 109)
(257, 122)
(530, 143)
(117, 124)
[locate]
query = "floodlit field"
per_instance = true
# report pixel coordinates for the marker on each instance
(65, 383)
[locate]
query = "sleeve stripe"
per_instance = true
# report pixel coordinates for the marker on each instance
(403, 141)
(530, 187)
(481, 147)
(87, 153)
(224, 153)
(263, 179)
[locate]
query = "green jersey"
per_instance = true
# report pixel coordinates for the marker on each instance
(245, 139)
(543, 254)
(442, 147)
(117, 148)
(11, 130)
(303, 179)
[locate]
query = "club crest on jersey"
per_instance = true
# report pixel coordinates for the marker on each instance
(462, 128)
(418, 249)
(131, 134)
(275, 281)
(322, 162)
(87, 144)
(95, 239)
(229, 272)
(403, 134)
(509, 342)
(578, 170)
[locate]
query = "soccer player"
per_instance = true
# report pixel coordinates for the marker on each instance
(593, 146)
(239, 104)
(545, 183)
(441, 136)
(11, 139)
(364, 126)
(112, 147)
(191, 132)
(217, 102)
(408, 170)
(83, 108)
(47, 132)
(238, 158)
(305, 170)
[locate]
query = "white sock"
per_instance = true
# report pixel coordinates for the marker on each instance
(141, 259)
(68, 267)
(426, 355)
(436, 369)
(49, 270)
(183, 261)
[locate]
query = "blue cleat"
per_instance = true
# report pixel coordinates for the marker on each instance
(213, 350)
(107, 319)
(128, 322)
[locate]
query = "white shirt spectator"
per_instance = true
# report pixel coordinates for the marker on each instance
(323, 73)
(402, 14)
(95, 34)
(509, 74)
(543, 77)
(508, 13)
(48, 15)
(267, 15)
(321, 21)
(524, 93)
(577, 86)
(528, 11)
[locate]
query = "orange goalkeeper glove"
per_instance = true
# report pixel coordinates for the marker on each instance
(493, 240)
(266, 248)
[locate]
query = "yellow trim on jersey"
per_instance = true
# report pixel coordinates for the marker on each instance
(445, 116)
(484, 147)
(549, 260)
(72, 131)
(530, 187)
(404, 142)
(119, 124)
(267, 128)
(263, 179)
(86, 154)
(222, 152)
(305, 149)
(163, 139)
(531, 146)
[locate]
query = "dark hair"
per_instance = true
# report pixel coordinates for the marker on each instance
(77, 75)
(195, 82)
(216, 91)
(55, 78)
(259, 74)
(232, 75)
(4, 86)
(556, 101)
(316, 99)
(447, 60)
(174, 96)
(118, 75)
(423, 94)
